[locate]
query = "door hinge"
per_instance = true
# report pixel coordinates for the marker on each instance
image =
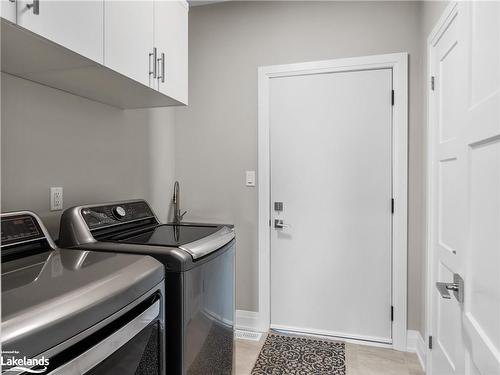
(392, 205)
(430, 342)
(432, 83)
(392, 97)
(392, 313)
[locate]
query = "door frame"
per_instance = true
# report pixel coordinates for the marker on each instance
(398, 62)
(439, 29)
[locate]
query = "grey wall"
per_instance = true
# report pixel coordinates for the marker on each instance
(431, 11)
(216, 136)
(95, 152)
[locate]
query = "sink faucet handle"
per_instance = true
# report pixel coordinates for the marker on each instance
(182, 215)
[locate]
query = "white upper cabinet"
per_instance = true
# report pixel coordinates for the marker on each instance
(126, 53)
(171, 41)
(128, 39)
(8, 10)
(76, 25)
(148, 41)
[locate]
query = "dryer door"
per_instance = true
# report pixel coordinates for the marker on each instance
(130, 345)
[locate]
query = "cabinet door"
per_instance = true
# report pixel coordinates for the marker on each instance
(76, 25)
(171, 38)
(8, 10)
(128, 39)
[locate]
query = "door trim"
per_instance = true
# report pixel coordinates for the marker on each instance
(398, 62)
(441, 26)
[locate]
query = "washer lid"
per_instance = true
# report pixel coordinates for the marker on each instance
(196, 239)
(49, 297)
(208, 244)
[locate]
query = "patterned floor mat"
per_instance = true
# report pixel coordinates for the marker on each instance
(300, 356)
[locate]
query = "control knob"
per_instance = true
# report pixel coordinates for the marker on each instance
(119, 212)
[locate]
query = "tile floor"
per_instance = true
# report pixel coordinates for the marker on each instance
(360, 359)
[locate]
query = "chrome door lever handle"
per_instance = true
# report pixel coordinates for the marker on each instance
(444, 289)
(457, 287)
(279, 224)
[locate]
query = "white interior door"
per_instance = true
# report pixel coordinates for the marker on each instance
(465, 207)
(330, 147)
(448, 210)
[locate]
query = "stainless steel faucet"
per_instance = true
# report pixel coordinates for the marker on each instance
(176, 201)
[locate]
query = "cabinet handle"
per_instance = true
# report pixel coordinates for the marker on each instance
(161, 62)
(163, 67)
(152, 56)
(35, 5)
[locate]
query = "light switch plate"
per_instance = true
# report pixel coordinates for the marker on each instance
(56, 198)
(250, 178)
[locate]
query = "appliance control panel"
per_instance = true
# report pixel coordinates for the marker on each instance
(20, 228)
(119, 213)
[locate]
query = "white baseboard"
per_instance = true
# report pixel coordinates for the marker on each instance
(363, 340)
(247, 320)
(416, 344)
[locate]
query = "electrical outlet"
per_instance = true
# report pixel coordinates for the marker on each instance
(56, 198)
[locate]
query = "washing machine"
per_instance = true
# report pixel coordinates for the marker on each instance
(199, 276)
